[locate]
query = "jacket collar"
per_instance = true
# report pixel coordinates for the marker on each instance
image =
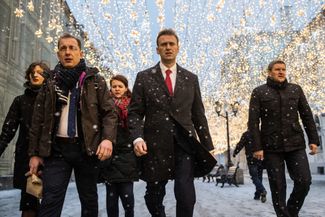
(275, 84)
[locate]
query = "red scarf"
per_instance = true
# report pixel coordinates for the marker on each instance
(122, 104)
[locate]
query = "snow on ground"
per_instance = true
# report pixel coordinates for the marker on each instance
(212, 201)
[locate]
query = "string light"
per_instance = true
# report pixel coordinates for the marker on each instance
(19, 12)
(228, 44)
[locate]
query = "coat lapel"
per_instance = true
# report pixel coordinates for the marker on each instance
(180, 79)
(157, 74)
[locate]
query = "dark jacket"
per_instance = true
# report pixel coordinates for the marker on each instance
(246, 141)
(98, 116)
(122, 166)
(159, 119)
(277, 106)
(19, 115)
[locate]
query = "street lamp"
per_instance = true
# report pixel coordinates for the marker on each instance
(234, 108)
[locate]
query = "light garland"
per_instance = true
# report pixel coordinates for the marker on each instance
(228, 44)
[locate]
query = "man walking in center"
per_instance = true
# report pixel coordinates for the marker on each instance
(280, 140)
(74, 123)
(165, 114)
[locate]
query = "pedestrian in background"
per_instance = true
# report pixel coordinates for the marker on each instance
(20, 115)
(255, 166)
(121, 169)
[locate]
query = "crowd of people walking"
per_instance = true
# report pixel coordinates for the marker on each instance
(69, 119)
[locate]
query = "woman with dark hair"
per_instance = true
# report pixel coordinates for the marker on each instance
(20, 115)
(120, 170)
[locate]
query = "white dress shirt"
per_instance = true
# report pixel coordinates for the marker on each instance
(63, 124)
(172, 75)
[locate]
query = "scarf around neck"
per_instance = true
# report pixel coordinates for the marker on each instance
(122, 103)
(67, 78)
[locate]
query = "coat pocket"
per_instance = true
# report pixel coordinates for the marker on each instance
(268, 105)
(296, 127)
(293, 102)
(270, 139)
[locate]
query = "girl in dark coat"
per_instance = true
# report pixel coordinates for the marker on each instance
(122, 168)
(20, 115)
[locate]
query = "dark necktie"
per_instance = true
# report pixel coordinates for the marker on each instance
(168, 82)
(72, 113)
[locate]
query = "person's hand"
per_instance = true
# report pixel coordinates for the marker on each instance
(313, 149)
(259, 155)
(34, 163)
(104, 150)
(140, 148)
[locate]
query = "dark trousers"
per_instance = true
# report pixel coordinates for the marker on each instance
(256, 173)
(56, 176)
(298, 168)
(183, 188)
(28, 202)
(123, 190)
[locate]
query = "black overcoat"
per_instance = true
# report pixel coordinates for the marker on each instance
(122, 165)
(159, 118)
(19, 115)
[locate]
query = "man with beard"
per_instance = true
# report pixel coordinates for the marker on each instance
(74, 121)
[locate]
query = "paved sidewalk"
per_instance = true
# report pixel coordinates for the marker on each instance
(212, 200)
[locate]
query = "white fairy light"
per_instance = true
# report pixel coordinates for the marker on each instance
(19, 12)
(30, 6)
(228, 44)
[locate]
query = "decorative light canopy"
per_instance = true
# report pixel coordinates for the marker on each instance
(227, 43)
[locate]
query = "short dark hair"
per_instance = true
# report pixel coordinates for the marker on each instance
(271, 64)
(167, 32)
(32, 66)
(122, 79)
(67, 35)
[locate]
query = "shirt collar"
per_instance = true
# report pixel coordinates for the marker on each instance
(164, 68)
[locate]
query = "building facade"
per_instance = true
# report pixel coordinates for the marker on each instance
(19, 47)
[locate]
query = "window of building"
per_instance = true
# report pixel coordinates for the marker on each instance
(27, 46)
(46, 55)
(4, 29)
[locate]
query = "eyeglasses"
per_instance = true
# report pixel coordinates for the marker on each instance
(65, 48)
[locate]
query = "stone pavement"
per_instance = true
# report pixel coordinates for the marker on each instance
(212, 201)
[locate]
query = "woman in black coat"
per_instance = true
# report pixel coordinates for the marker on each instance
(121, 171)
(20, 115)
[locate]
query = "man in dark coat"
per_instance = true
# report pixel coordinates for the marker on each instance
(255, 166)
(165, 114)
(74, 120)
(280, 140)
(20, 115)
